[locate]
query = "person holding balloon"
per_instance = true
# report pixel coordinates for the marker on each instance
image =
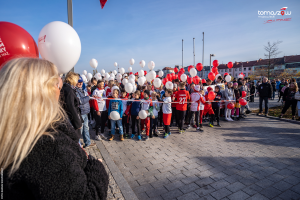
(216, 105)
(229, 95)
(135, 119)
(167, 112)
(238, 95)
(208, 106)
(115, 113)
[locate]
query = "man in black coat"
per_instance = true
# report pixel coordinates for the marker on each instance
(265, 91)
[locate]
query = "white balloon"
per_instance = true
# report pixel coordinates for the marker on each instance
(111, 78)
(148, 77)
(124, 81)
(122, 70)
(142, 63)
(141, 81)
(144, 79)
(193, 72)
(119, 76)
(98, 76)
(134, 88)
(143, 114)
(128, 87)
(151, 65)
(107, 76)
(132, 76)
(152, 75)
(129, 69)
(84, 78)
(115, 72)
(84, 72)
(114, 115)
(228, 78)
(89, 76)
(131, 61)
(115, 64)
(59, 43)
(240, 76)
(160, 73)
(102, 71)
(169, 85)
(94, 63)
(141, 73)
(157, 82)
(132, 81)
(183, 77)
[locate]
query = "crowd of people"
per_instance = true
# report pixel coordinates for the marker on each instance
(44, 118)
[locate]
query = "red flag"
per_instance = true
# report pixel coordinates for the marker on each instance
(102, 3)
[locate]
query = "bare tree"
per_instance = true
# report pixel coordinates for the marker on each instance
(272, 52)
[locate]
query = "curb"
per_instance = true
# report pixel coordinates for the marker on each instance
(279, 119)
(118, 176)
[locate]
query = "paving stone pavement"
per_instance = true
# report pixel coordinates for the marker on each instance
(272, 103)
(256, 158)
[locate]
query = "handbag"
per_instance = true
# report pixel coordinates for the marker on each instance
(297, 96)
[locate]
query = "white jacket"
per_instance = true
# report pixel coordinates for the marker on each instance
(195, 96)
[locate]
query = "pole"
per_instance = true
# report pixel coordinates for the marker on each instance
(182, 53)
(209, 62)
(70, 17)
(203, 51)
(194, 50)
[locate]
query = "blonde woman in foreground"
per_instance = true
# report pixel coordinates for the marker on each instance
(40, 155)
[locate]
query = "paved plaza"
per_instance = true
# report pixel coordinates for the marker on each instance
(256, 158)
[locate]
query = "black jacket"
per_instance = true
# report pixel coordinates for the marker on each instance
(265, 90)
(273, 86)
(57, 169)
(70, 103)
(288, 95)
(252, 89)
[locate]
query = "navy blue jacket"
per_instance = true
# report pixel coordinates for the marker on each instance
(135, 108)
(217, 104)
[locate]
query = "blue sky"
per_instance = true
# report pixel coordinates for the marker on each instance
(153, 30)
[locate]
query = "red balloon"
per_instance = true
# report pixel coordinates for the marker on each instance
(243, 102)
(230, 106)
(211, 95)
(179, 74)
(196, 80)
(190, 67)
(211, 76)
(214, 70)
(215, 63)
(182, 70)
(164, 81)
(145, 73)
(157, 76)
(169, 77)
(15, 42)
(189, 80)
(199, 66)
(175, 69)
(230, 65)
(226, 74)
(130, 73)
(176, 76)
(203, 81)
(173, 76)
(244, 93)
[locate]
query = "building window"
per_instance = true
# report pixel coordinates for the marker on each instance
(235, 75)
(249, 68)
(240, 69)
(244, 69)
(229, 70)
(225, 70)
(235, 69)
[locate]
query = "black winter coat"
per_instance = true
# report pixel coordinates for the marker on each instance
(265, 90)
(70, 103)
(57, 169)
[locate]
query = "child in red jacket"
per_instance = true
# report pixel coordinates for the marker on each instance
(208, 108)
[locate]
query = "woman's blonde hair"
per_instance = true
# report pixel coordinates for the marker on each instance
(72, 78)
(296, 86)
(28, 107)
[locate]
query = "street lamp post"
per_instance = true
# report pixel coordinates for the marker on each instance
(70, 17)
(210, 55)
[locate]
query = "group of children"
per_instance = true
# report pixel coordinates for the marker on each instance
(162, 106)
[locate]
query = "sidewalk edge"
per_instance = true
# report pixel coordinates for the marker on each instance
(118, 176)
(279, 119)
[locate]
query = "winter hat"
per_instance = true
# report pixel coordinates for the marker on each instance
(240, 83)
(114, 88)
(235, 83)
(197, 88)
(147, 92)
(80, 80)
(209, 89)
